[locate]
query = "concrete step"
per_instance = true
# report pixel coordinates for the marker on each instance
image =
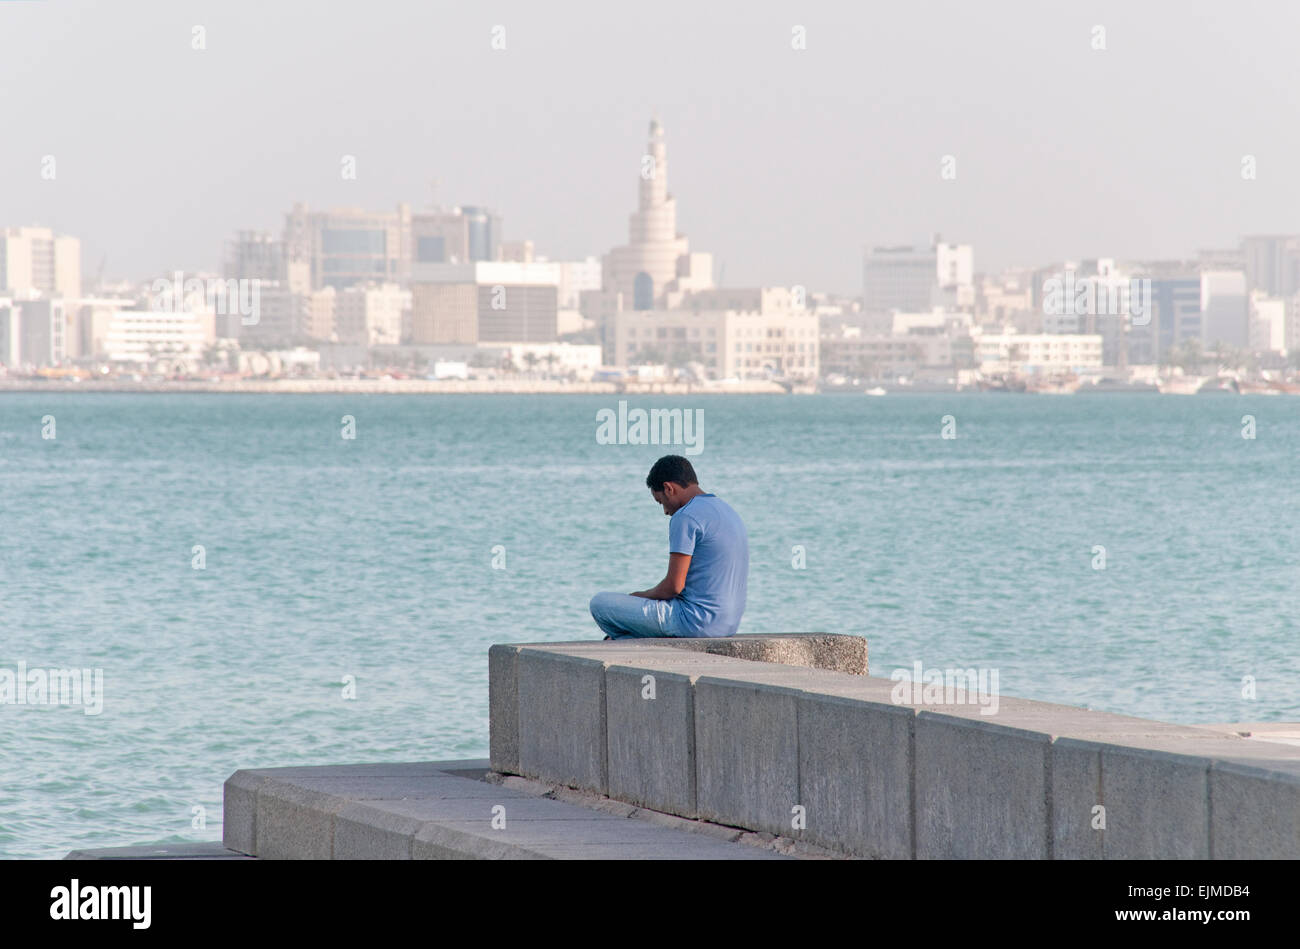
(437, 810)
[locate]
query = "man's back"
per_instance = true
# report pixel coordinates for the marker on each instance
(712, 533)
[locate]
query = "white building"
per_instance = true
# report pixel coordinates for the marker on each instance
(1224, 308)
(1268, 323)
(728, 344)
(36, 260)
(1037, 352)
(552, 358)
(146, 336)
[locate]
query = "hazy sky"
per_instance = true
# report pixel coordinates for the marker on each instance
(785, 162)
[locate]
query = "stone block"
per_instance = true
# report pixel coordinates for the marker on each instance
(981, 790)
(1157, 802)
(855, 776)
(746, 754)
(562, 719)
(651, 740)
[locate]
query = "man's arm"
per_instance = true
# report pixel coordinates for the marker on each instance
(674, 583)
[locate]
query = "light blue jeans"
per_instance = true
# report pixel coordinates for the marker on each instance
(623, 616)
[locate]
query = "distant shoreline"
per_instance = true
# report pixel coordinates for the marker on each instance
(502, 387)
(394, 387)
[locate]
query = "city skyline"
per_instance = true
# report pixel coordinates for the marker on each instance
(1129, 151)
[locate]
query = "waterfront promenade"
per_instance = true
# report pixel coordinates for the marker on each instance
(776, 747)
(792, 751)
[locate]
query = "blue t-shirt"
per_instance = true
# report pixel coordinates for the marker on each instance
(713, 534)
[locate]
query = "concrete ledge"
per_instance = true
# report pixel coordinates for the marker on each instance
(881, 773)
(846, 654)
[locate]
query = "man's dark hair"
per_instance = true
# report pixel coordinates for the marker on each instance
(673, 468)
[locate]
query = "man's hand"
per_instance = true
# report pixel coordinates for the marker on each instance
(674, 583)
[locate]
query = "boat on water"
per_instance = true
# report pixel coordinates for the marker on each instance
(1266, 387)
(1000, 384)
(878, 390)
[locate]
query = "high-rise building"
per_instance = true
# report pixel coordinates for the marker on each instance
(45, 331)
(347, 246)
(1175, 315)
(37, 259)
(1272, 263)
(1225, 310)
(912, 278)
(484, 233)
(461, 235)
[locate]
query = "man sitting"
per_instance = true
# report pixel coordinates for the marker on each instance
(708, 566)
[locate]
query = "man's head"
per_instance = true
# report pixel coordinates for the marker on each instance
(672, 482)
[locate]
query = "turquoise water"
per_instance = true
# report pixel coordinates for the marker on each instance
(372, 558)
